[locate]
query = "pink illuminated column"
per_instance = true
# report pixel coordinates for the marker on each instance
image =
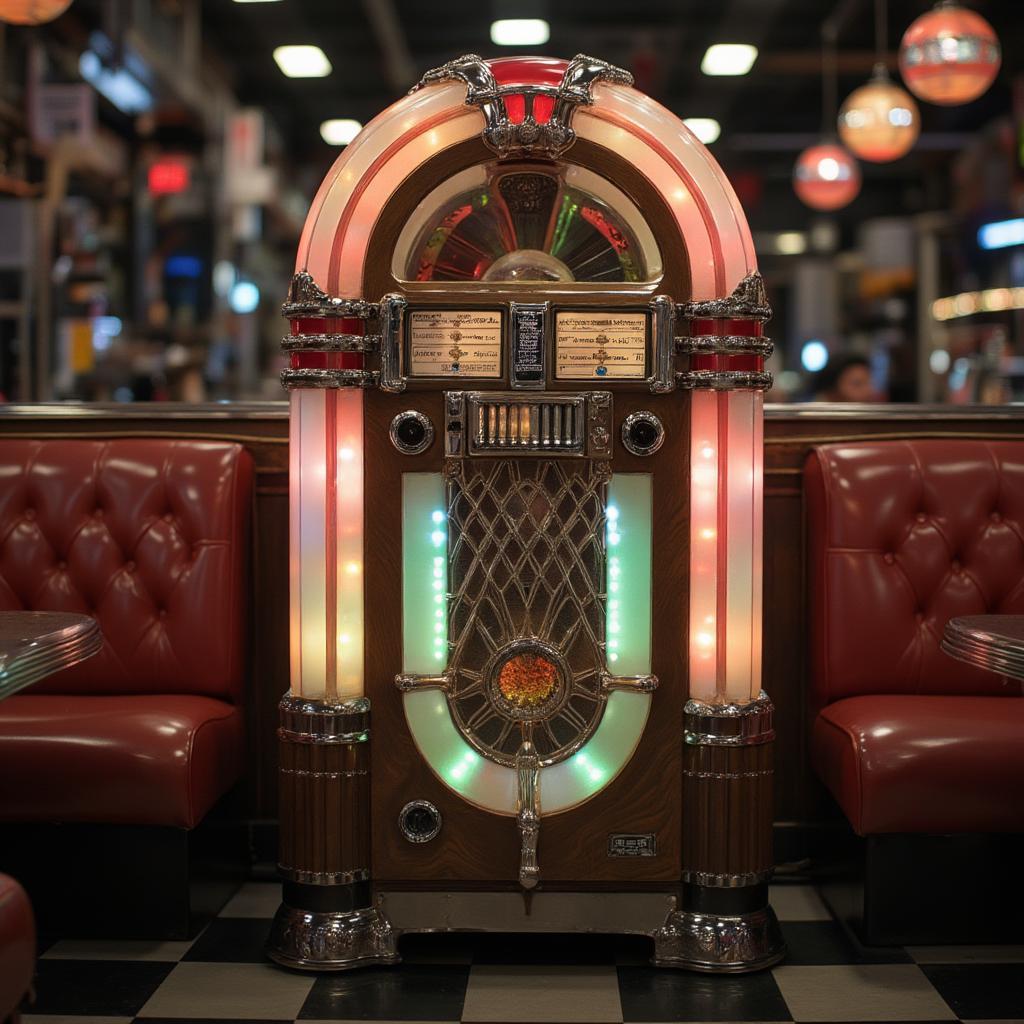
(325, 381)
(727, 379)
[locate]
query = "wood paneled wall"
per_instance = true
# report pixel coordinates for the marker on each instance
(790, 432)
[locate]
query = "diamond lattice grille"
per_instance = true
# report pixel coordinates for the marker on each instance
(526, 560)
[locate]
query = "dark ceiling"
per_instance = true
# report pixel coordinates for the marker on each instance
(766, 116)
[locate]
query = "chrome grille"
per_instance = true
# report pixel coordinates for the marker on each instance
(527, 424)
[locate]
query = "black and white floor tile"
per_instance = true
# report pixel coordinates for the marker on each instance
(222, 975)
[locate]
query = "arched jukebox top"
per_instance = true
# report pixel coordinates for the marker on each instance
(539, 255)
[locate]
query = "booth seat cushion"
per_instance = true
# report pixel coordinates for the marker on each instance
(17, 945)
(926, 764)
(159, 759)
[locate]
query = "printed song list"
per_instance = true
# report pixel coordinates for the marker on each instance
(455, 343)
(601, 345)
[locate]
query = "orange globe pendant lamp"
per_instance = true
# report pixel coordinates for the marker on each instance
(31, 12)
(949, 56)
(826, 177)
(879, 121)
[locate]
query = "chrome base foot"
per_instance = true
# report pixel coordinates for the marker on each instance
(719, 943)
(331, 940)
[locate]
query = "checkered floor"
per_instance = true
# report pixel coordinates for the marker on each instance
(223, 975)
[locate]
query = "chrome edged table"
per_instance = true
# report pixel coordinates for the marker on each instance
(993, 642)
(34, 645)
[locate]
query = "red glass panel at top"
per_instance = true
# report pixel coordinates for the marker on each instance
(528, 71)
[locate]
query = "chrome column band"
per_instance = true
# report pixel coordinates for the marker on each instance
(306, 300)
(725, 380)
(323, 877)
(328, 379)
(727, 881)
(309, 721)
(725, 345)
(728, 725)
(748, 301)
(330, 342)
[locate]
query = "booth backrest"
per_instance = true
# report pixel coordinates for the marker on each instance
(148, 536)
(902, 536)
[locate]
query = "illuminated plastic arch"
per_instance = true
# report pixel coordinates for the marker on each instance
(725, 487)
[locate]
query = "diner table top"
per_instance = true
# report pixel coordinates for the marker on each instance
(993, 642)
(34, 645)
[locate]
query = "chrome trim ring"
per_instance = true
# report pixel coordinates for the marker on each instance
(323, 877)
(330, 342)
(419, 805)
(724, 380)
(328, 379)
(725, 345)
(423, 421)
(308, 721)
(642, 416)
(728, 725)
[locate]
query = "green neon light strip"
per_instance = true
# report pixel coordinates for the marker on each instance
(493, 787)
(424, 574)
(628, 540)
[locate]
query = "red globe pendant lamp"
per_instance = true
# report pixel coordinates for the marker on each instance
(879, 121)
(31, 12)
(949, 55)
(826, 177)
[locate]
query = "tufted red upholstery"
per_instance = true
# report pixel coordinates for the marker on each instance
(150, 537)
(902, 536)
(17, 946)
(147, 536)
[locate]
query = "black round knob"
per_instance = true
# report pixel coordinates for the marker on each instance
(420, 821)
(642, 433)
(411, 432)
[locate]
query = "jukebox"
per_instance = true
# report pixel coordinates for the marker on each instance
(526, 380)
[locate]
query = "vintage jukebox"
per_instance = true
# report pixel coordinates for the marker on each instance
(526, 383)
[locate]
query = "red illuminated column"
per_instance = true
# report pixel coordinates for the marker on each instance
(326, 919)
(724, 922)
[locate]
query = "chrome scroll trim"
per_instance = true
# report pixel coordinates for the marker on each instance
(729, 725)
(549, 138)
(416, 837)
(428, 432)
(312, 721)
(717, 943)
(631, 684)
(748, 301)
(328, 379)
(726, 345)
(323, 877)
(332, 940)
(330, 342)
(306, 299)
(407, 682)
(724, 380)
(642, 416)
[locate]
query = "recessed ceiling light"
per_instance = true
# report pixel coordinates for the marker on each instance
(728, 59)
(707, 129)
(339, 131)
(790, 243)
(520, 32)
(302, 61)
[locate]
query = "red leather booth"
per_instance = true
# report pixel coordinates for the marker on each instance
(149, 536)
(17, 946)
(902, 536)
